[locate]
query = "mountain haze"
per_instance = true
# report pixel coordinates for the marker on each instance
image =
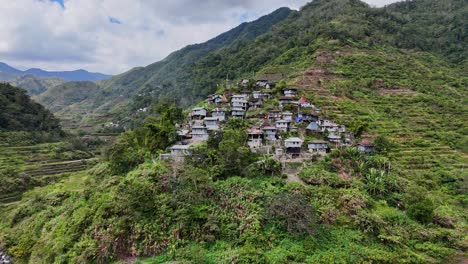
(77, 75)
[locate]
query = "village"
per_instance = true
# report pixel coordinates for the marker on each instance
(283, 123)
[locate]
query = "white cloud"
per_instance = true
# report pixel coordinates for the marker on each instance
(40, 33)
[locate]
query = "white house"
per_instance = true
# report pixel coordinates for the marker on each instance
(293, 146)
(181, 151)
(334, 138)
(239, 101)
(318, 146)
(285, 100)
(255, 138)
(366, 146)
(282, 125)
(288, 116)
(199, 133)
(219, 113)
(198, 113)
(211, 123)
(237, 113)
(274, 114)
(269, 133)
(290, 92)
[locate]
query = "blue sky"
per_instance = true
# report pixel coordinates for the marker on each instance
(113, 36)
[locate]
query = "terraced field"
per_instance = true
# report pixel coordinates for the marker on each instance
(39, 164)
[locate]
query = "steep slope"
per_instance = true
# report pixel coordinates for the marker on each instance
(19, 113)
(67, 94)
(169, 78)
(34, 85)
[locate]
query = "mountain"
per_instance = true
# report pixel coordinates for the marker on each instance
(379, 71)
(7, 72)
(19, 113)
(67, 94)
(34, 85)
(170, 79)
(190, 74)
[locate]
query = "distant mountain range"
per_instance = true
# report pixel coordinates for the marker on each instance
(7, 72)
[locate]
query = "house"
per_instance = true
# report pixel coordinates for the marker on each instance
(289, 92)
(282, 125)
(255, 138)
(288, 116)
(215, 99)
(198, 113)
(211, 123)
(245, 93)
(303, 102)
(244, 82)
(328, 125)
(199, 133)
(180, 151)
(219, 113)
(239, 101)
(313, 127)
(255, 103)
(318, 146)
(270, 85)
(183, 134)
(262, 83)
(237, 113)
(334, 138)
(366, 146)
(274, 115)
(307, 117)
(261, 95)
(285, 100)
(293, 146)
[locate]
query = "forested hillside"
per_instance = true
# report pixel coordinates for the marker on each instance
(19, 113)
(168, 79)
(395, 75)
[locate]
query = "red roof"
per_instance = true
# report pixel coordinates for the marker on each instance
(366, 142)
(254, 131)
(303, 100)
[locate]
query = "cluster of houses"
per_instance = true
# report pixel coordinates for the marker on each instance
(272, 129)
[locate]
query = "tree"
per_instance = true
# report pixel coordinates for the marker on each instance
(294, 213)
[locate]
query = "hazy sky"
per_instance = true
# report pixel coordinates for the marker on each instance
(112, 36)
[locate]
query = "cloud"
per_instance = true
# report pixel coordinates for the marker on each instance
(113, 36)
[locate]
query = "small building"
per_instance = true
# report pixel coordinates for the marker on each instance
(180, 151)
(183, 134)
(255, 103)
(366, 146)
(334, 138)
(285, 100)
(313, 128)
(290, 92)
(262, 83)
(211, 123)
(307, 117)
(282, 125)
(328, 125)
(303, 102)
(239, 101)
(244, 82)
(255, 138)
(274, 115)
(219, 113)
(293, 146)
(318, 146)
(215, 99)
(198, 113)
(262, 94)
(245, 93)
(237, 113)
(269, 133)
(288, 116)
(199, 133)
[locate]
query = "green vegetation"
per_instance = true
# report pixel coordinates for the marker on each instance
(379, 71)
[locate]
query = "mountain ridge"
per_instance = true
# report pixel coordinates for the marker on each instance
(75, 75)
